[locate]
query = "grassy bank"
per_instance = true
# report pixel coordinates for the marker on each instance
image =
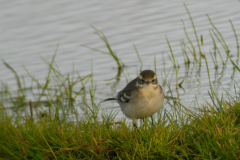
(50, 127)
(209, 135)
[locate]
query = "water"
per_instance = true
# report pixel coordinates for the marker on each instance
(32, 30)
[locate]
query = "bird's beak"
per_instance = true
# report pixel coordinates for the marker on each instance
(147, 82)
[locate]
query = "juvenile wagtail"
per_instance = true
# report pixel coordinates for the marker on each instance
(141, 98)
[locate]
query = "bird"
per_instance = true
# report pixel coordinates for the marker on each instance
(141, 98)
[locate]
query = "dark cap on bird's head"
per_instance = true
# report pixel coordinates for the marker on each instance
(147, 74)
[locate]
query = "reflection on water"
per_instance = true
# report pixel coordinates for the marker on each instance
(31, 31)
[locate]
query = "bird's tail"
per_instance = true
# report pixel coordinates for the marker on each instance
(109, 99)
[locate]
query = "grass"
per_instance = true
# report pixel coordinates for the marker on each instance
(49, 126)
(210, 134)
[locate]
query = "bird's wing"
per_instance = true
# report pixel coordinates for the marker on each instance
(125, 95)
(161, 91)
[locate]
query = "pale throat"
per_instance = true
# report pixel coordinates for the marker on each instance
(150, 91)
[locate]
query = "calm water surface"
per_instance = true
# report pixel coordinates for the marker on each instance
(32, 30)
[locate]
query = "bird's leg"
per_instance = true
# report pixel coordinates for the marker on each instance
(152, 119)
(143, 120)
(134, 125)
(134, 122)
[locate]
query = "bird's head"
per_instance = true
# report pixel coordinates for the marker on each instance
(147, 77)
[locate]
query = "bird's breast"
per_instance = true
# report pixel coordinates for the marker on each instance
(149, 92)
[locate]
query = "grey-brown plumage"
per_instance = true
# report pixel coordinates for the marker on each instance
(141, 98)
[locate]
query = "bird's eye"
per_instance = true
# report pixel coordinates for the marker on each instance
(153, 80)
(142, 81)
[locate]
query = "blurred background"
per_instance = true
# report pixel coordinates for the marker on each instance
(31, 31)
